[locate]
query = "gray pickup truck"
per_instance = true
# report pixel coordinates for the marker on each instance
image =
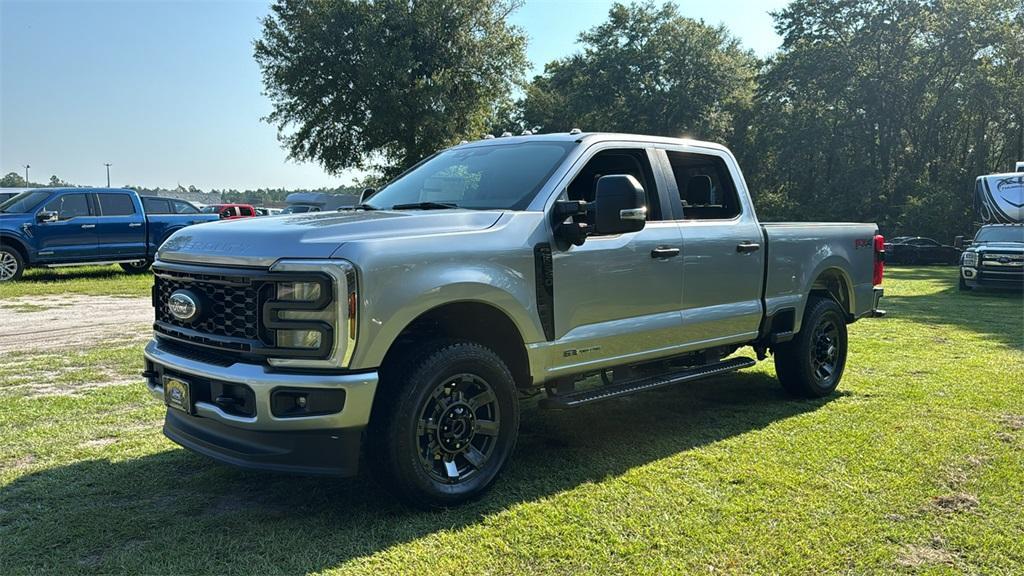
(582, 266)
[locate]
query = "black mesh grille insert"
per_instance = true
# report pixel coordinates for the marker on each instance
(227, 310)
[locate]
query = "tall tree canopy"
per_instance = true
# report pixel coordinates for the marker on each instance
(886, 110)
(646, 69)
(380, 84)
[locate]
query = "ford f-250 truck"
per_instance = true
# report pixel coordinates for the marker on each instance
(72, 226)
(995, 258)
(410, 324)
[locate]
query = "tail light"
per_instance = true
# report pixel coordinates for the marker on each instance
(879, 259)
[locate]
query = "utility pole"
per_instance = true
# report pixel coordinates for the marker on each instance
(26, 174)
(108, 174)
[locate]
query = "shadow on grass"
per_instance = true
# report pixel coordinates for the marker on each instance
(73, 273)
(175, 512)
(996, 314)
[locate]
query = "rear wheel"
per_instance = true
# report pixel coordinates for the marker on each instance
(812, 363)
(445, 423)
(12, 265)
(137, 267)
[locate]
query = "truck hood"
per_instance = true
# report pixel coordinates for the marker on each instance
(1000, 246)
(264, 240)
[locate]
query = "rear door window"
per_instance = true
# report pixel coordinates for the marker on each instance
(116, 204)
(706, 189)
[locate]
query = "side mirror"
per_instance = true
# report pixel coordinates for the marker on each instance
(958, 242)
(620, 205)
(366, 193)
(46, 216)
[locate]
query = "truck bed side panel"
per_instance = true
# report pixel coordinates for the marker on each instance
(799, 254)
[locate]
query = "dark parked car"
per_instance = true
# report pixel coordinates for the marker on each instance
(157, 205)
(921, 251)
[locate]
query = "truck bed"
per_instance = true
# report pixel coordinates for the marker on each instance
(800, 252)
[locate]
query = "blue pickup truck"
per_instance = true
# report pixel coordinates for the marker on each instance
(69, 226)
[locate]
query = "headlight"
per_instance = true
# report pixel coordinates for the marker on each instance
(970, 259)
(313, 322)
(307, 339)
(298, 291)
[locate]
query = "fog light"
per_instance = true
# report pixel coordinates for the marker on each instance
(298, 291)
(309, 339)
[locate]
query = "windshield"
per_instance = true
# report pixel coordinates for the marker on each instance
(1001, 234)
(299, 209)
(24, 202)
(481, 177)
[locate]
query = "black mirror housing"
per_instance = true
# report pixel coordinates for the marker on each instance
(620, 205)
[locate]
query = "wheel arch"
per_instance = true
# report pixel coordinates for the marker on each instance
(834, 282)
(473, 320)
(18, 244)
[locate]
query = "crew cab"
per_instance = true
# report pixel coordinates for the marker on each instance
(995, 258)
(584, 267)
(71, 226)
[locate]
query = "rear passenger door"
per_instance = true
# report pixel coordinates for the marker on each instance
(120, 226)
(723, 251)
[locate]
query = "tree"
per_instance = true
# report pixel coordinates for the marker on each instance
(12, 180)
(646, 69)
(886, 110)
(382, 84)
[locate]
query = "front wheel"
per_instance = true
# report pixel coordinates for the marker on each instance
(445, 423)
(137, 267)
(812, 363)
(963, 285)
(12, 266)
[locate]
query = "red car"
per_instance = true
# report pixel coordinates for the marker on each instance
(230, 211)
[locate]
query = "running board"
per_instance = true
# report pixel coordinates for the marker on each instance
(576, 399)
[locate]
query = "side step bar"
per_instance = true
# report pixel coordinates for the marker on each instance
(576, 399)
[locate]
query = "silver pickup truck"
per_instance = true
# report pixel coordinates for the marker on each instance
(582, 266)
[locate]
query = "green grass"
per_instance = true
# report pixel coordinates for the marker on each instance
(916, 466)
(92, 280)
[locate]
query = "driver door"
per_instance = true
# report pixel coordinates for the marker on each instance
(617, 297)
(72, 237)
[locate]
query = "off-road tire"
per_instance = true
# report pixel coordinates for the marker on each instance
(822, 341)
(399, 440)
(14, 264)
(963, 285)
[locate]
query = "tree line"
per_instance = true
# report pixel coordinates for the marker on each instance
(871, 110)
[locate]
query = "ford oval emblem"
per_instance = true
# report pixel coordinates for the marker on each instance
(183, 305)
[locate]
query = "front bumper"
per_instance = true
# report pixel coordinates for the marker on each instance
(313, 444)
(1009, 279)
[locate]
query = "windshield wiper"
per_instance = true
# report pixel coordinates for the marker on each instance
(425, 206)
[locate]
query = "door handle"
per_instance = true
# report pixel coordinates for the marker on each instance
(135, 224)
(88, 225)
(664, 252)
(747, 247)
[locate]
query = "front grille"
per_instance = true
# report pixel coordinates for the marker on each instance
(238, 314)
(227, 310)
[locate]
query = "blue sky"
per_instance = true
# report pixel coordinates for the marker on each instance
(168, 92)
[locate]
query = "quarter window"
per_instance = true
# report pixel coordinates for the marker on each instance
(706, 189)
(156, 205)
(116, 204)
(69, 206)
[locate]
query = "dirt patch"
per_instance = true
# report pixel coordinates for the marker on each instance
(1013, 421)
(958, 502)
(934, 554)
(99, 442)
(36, 323)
